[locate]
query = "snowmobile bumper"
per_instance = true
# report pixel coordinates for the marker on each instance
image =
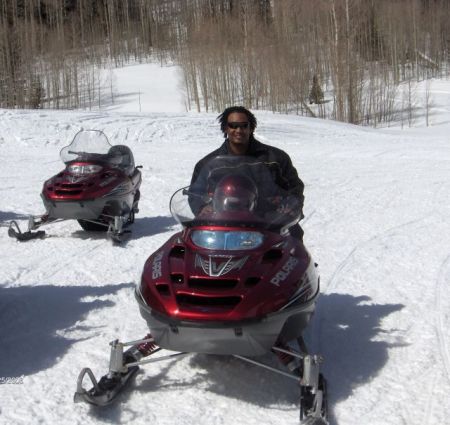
(80, 210)
(245, 338)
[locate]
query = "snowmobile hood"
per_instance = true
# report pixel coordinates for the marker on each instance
(67, 185)
(189, 282)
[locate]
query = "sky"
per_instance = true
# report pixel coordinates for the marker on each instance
(376, 221)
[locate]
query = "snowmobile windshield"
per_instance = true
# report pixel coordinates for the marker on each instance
(91, 146)
(236, 191)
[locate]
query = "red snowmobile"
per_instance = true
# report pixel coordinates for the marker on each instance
(99, 188)
(232, 282)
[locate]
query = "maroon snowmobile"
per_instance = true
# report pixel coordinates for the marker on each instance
(232, 282)
(99, 188)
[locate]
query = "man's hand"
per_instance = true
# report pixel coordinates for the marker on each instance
(291, 207)
(207, 209)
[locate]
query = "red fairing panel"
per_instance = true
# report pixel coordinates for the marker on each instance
(186, 282)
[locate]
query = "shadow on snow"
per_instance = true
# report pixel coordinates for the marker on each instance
(142, 227)
(348, 334)
(7, 216)
(149, 226)
(31, 318)
(343, 331)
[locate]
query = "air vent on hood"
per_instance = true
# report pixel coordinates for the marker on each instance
(252, 281)
(212, 284)
(186, 301)
(272, 255)
(177, 278)
(163, 289)
(71, 186)
(68, 192)
(177, 251)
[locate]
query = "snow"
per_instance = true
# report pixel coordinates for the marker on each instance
(145, 88)
(377, 222)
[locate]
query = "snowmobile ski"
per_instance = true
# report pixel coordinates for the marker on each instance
(313, 404)
(104, 391)
(15, 232)
(116, 232)
(122, 367)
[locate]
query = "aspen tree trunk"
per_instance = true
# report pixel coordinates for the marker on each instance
(337, 68)
(350, 66)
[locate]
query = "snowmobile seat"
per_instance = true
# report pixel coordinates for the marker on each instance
(126, 158)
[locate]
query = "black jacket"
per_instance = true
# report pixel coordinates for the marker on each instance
(279, 163)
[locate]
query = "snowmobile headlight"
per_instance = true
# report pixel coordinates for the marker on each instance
(84, 169)
(229, 240)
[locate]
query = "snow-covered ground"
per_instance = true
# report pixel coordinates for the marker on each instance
(377, 222)
(143, 88)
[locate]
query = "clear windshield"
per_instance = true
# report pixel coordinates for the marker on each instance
(90, 145)
(234, 190)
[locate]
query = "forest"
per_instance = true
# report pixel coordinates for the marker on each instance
(346, 60)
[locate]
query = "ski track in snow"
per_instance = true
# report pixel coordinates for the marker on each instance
(442, 312)
(376, 222)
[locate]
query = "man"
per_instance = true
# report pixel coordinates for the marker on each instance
(238, 125)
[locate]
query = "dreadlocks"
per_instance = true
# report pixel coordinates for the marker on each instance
(223, 118)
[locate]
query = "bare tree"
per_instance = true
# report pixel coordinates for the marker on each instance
(260, 53)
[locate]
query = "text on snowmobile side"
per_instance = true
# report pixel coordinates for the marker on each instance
(285, 271)
(156, 265)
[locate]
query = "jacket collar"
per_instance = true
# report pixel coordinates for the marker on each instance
(254, 147)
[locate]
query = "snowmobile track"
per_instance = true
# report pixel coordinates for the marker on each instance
(54, 264)
(332, 283)
(442, 280)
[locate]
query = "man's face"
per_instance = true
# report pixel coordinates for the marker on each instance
(238, 131)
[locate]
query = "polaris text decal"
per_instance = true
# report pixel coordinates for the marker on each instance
(156, 265)
(284, 272)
